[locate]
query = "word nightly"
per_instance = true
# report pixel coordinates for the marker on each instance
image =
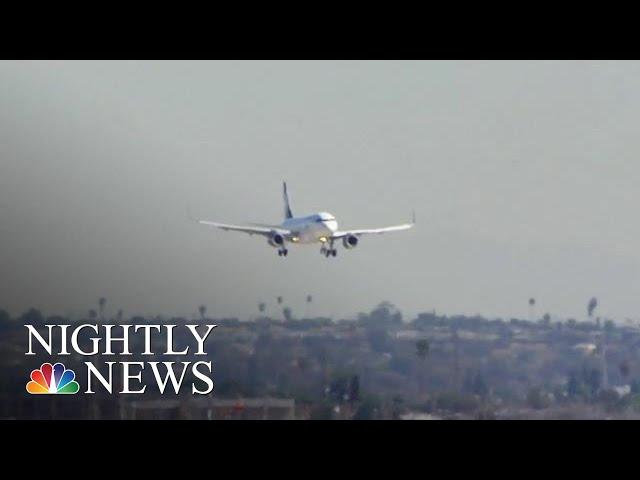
(110, 339)
(122, 340)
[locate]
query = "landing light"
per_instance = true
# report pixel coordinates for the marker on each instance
(323, 239)
(295, 239)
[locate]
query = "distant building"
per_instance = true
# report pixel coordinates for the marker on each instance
(409, 334)
(623, 390)
(207, 408)
(586, 348)
(418, 416)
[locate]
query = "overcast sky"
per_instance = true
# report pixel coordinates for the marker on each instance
(524, 177)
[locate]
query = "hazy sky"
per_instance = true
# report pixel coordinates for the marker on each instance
(524, 177)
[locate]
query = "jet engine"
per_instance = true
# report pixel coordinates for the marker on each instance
(276, 240)
(350, 241)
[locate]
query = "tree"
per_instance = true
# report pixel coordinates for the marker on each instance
(279, 300)
(455, 340)
(422, 349)
(480, 387)
(354, 389)
(33, 316)
(262, 307)
(203, 311)
(593, 379)
(368, 410)
(379, 340)
(609, 326)
(101, 304)
(5, 320)
(119, 315)
(537, 398)
(475, 383)
(397, 406)
(384, 315)
(532, 304)
(287, 313)
(303, 364)
(573, 386)
(93, 314)
(610, 399)
(339, 388)
(455, 402)
(323, 411)
(624, 368)
(591, 306)
(309, 301)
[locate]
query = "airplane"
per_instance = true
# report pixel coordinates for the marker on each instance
(320, 227)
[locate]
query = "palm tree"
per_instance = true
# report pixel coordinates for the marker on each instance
(591, 306)
(101, 304)
(119, 315)
(203, 311)
(455, 340)
(93, 314)
(279, 299)
(624, 368)
(309, 301)
(603, 359)
(262, 307)
(532, 305)
(287, 313)
(422, 349)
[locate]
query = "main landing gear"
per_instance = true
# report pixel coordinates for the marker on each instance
(328, 252)
(283, 252)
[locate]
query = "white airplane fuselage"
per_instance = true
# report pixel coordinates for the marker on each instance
(315, 228)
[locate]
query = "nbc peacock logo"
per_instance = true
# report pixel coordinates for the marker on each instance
(52, 379)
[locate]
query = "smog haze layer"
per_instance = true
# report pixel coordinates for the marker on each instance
(523, 176)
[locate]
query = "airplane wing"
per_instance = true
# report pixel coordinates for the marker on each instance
(367, 231)
(251, 230)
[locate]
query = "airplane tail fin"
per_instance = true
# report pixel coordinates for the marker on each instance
(287, 207)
